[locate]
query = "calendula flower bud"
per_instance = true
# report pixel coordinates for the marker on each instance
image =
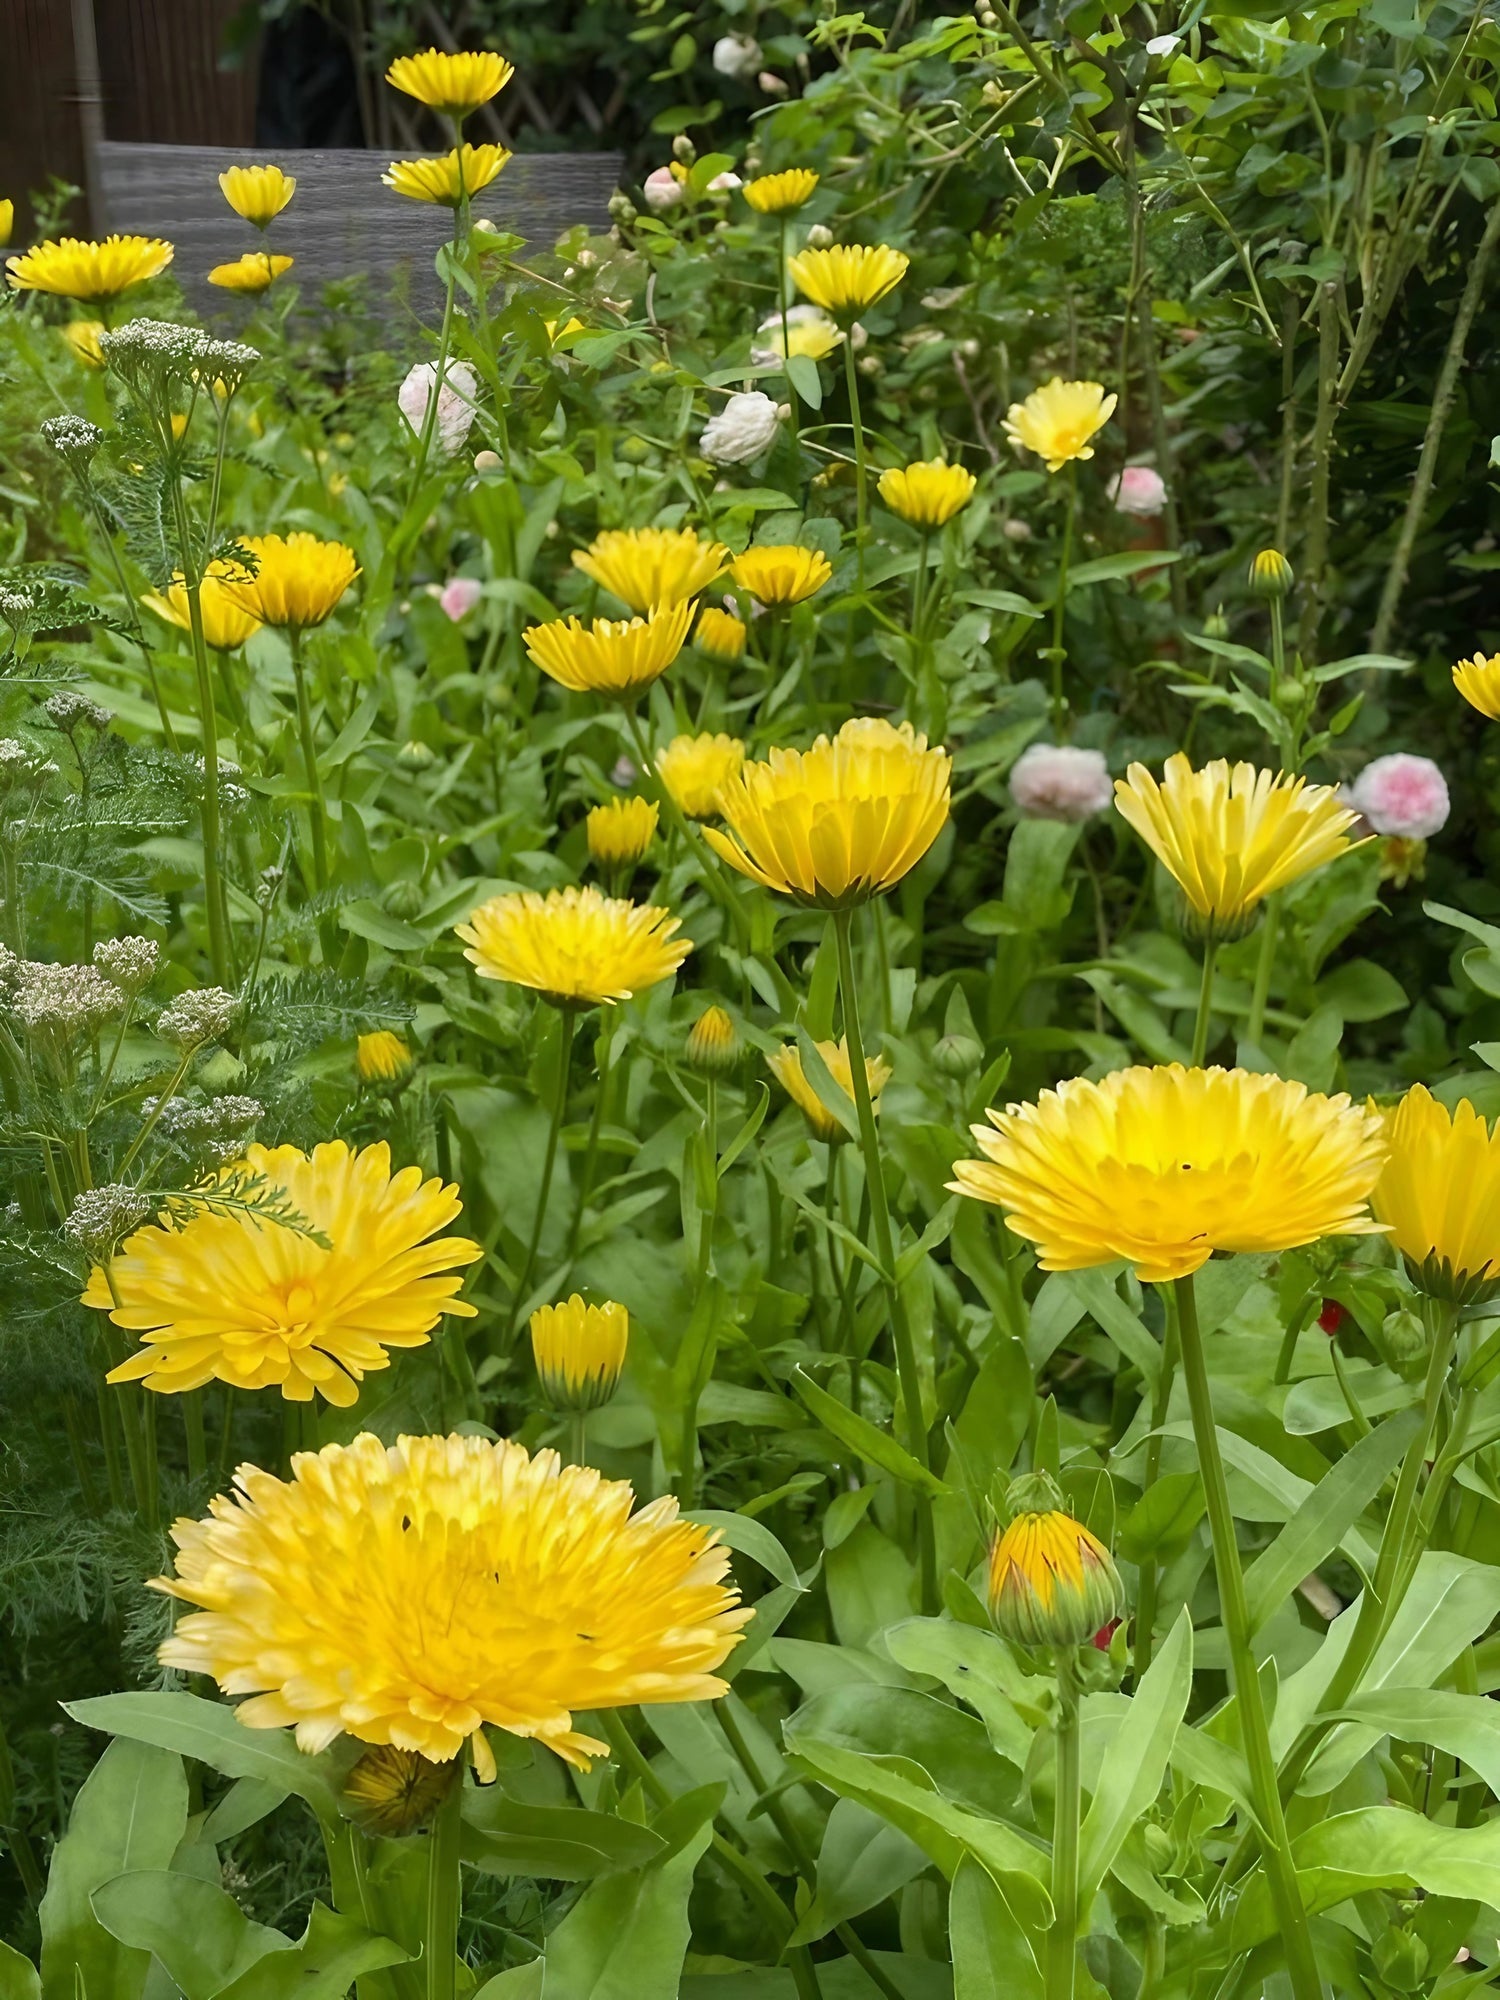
(957, 1055)
(713, 1043)
(1403, 1339)
(403, 898)
(620, 832)
(1051, 1582)
(1270, 574)
(579, 1352)
(382, 1059)
(1216, 625)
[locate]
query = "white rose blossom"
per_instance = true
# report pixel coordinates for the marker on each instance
(457, 401)
(742, 430)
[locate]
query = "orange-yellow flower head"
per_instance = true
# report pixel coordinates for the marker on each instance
(695, 770)
(260, 1304)
(92, 273)
(574, 946)
(452, 85)
(410, 1594)
(1230, 837)
(446, 181)
(785, 1064)
(777, 194)
(620, 831)
(847, 280)
(259, 194)
(1439, 1194)
(299, 579)
(1059, 420)
(1051, 1582)
(720, 634)
(646, 567)
(838, 823)
(617, 657)
(579, 1352)
(1164, 1166)
(251, 274)
(1478, 681)
(226, 622)
(929, 493)
(782, 573)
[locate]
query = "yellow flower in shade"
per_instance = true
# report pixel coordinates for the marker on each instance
(720, 634)
(299, 579)
(396, 1791)
(260, 1305)
(620, 831)
(253, 273)
(695, 769)
(808, 331)
(7, 221)
(776, 194)
(452, 85)
(1058, 420)
(785, 1064)
(1164, 1166)
(1051, 1582)
(226, 622)
(574, 946)
(259, 194)
(850, 279)
(579, 1352)
(1232, 837)
(1440, 1194)
(929, 493)
(713, 1043)
(82, 336)
(1478, 681)
(93, 273)
(838, 823)
(382, 1057)
(440, 181)
(611, 656)
(647, 567)
(781, 574)
(408, 1594)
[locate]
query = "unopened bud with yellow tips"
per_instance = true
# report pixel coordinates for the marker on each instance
(579, 1352)
(621, 831)
(720, 634)
(1051, 1582)
(382, 1059)
(1270, 574)
(713, 1043)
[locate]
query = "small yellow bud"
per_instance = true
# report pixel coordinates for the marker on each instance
(1270, 574)
(621, 831)
(713, 1044)
(1051, 1582)
(382, 1058)
(579, 1352)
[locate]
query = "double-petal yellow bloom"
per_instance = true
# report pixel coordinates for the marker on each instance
(929, 493)
(647, 567)
(611, 656)
(452, 85)
(576, 947)
(1059, 420)
(446, 181)
(720, 634)
(620, 831)
(1440, 1193)
(299, 579)
(93, 273)
(780, 574)
(850, 278)
(259, 194)
(226, 622)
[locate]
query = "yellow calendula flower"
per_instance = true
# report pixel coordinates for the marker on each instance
(1478, 681)
(253, 273)
(841, 822)
(1230, 837)
(1440, 1194)
(226, 622)
(776, 194)
(620, 831)
(1164, 1166)
(382, 1057)
(238, 1298)
(299, 579)
(611, 656)
(785, 1064)
(713, 1043)
(576, 947)
(695, 770)
(848, 279)
(7, 221)
(579, 1352)
(441, 181)
(649, 567)
(929, 493)
(452, 85)
(93, 273)
(808, 331)
(82, 336)
(1051, 1582)
(720, 634)
(782, 573)
(1058, 420)
(410, 1594)
(259, 194)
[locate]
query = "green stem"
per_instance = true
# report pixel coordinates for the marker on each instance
(208, 725)
(445, 342)
(1315, 567)
(1059, 610)
(578, 1437)
(709, 1215)
(885, 1249)
(549, 1161)
(444, 1893)
(786, 337)
(310, 761)
(591, 1150)
(1062, 1938)
(1145, 1614)
(1270, 937)
(132, 619)
(861, 504)
(1205, 1004)
(1276, 1849)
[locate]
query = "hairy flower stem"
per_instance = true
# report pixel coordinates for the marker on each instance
(445, 336)
(861, 498)
(1276, 1849)
(310, 761)
(1062, 1938)
(786, 337)
(1056, 652)
(885, 1249)
(1205, 1004)
(132, 619)
(1270, 937)
(444, 1892)
(1161, 1398)
(549, 1161)
(208, 727)
(591, 1149)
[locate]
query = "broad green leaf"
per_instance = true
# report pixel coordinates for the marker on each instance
(1465, 1725)
(861, 1862)
(876, 1447)
(992, 1959)
(208, 1731)
(748, 1537)
(978, 1668)
(1095, 1289)
(1162, 1521)
(19, 1979)
(331, 1954)
(522, 1982)
(947, 1745)
(198, 1931)
(1136, 1761)
(245, 1804)
(996, 1411)
(1128, 562)
(502, 1836)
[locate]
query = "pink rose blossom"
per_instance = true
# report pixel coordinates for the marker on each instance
(662, 189)
(1402, 794)
(455, 406)
(1138, 490)
(459, 595)
(1059, 781)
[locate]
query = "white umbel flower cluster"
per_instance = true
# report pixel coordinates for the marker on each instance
(194, 1019)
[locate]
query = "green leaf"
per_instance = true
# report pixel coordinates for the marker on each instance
(1162, 1521)
(874, 1446)
(367, 920)
(977, 1667)
(834, 1099)
(208, 1731)
(802, 373)
(990, 1427)
(1136, 1761)
(198, 1931)
(1127, 562)
(992, 1959)
(332, 1953)
(861, 1862)
(503, 1836)
(751, 1538)
(19, 1979)
(1465, 1725)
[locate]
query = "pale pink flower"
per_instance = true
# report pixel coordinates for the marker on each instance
(459, 595)
(1060, 781)
(1402, 794)
(456, 402)
(662, 189)
(1138, 489)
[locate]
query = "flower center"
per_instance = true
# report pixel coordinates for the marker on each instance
(300, 1303)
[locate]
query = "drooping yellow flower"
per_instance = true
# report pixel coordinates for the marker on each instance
(259, 194)
(720, 634)
(611, 656)
(848, 279)
(776, 194)
(452, 85)
(393, 1791)
(1058, 420)
(1051, 1582)
(226, 622)
(576, 947)
(620, 831)
(1232, 837)
(82, 336)
(251, 274)
(713, 1043)
(409, 1594)
(92, 273)
(440, 181)
(647, 567)
(1478, 681)
(382, 1057)
(785, 1064)
(1164, 1166)
(695, 770)
(579, 1351)
(258, 1304)
(782, 573)
(1439, 1194)
(299, 581)
(838, 823)
(929, 493)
